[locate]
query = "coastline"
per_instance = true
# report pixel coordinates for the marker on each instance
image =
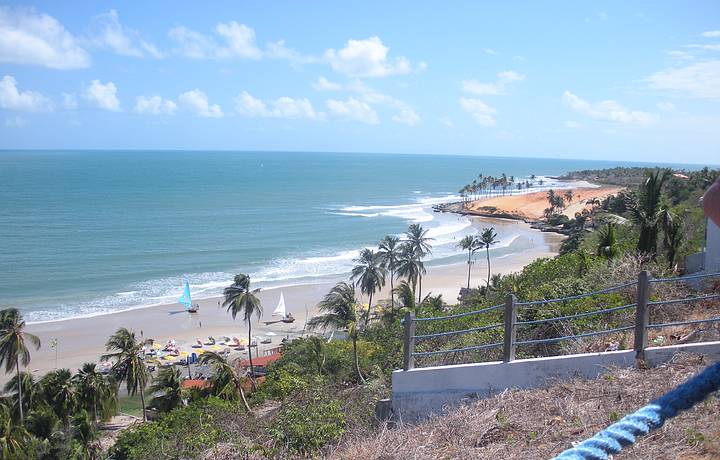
(83, 340)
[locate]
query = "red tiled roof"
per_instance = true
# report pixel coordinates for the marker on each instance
(195, 383)
(261, 360)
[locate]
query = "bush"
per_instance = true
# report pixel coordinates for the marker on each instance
(182, 433)
(305, 429)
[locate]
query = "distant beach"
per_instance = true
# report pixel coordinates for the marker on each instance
(82, 340)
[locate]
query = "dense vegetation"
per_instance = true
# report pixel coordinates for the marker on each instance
(322, 392)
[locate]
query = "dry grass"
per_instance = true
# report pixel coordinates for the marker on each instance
(537, 424)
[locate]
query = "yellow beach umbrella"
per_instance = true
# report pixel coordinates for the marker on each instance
(199, 351)
(184, 353)
(215, 348)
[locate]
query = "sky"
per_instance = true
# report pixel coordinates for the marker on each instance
(610, 80)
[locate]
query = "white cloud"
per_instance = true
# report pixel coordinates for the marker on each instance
(237, 41)
(480, 111)
(504, 79)
(283, 107)
(29, 101)
(240, 41)
(70, 101)
(31, 38)
(701, 79)
(15, 122)
(197, 101)
(278, 50)
(406, 116)
(491, 51)
(607, 110)
(666, 106)
(108, 33)
(155, 105)
(323, 84)
(353, 109)
(713, 47)
(366, 58)
(711, 34)
(102, 95)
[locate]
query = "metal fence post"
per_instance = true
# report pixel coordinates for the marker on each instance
(510, 320)
(642, 316)
(409, 342)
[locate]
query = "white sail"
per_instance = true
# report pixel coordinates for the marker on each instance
(280, 309)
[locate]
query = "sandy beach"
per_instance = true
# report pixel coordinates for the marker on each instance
(531, 206)
(82, 340)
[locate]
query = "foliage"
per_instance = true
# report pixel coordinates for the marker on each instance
(306, 429)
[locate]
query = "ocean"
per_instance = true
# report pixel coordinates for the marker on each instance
(92, 232)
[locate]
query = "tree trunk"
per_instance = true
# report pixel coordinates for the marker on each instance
(355, 358)
(392, 292)
(469, 255)
(367, 316)
(142, 402)
(20, 401)
(419, 289)
(252, 369)
(242, 396)
(487, 249)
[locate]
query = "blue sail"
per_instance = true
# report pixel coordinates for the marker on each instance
(185, 297)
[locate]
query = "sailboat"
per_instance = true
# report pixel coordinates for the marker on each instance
(281, 312)
(186, 300)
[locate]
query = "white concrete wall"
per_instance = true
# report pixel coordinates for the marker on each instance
(419, 393)
(712, 248)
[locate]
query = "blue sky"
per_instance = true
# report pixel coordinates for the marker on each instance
(611, 80)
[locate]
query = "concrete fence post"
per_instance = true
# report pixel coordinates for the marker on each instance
(409, 341)
(510, 317)
(642, 316)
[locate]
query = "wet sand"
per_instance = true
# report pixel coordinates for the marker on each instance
(83, 340)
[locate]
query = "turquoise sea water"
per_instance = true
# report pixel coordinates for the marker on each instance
(91, 232)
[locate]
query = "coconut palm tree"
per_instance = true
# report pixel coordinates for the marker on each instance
(339, 312)
(58, 391)
(607, 241)
(469, 243)
(168, 390)
(240, 299)
(406, 296)
(419, 244)
(389, 253)
(28, 391)
(94, 393)
(14, 438)
(672, 235)
(409, 266)
(488, 237)
(129, 366)
(13, 351)
(569, 196)
(369, 276)
(86, 434)
(646, 209)
(226, 380)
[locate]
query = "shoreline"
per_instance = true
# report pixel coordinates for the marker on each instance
(83, 340)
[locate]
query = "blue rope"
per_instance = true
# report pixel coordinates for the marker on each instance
(623, 433)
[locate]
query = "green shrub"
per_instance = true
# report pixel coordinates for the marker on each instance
(305, 429)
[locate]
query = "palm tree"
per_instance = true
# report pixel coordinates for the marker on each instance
(647, 210)
(339, 312)
(406, 296)
(607, 242)
(389, 253)
(419, 245)
(569, 195)
(240, 299)
(168, 389)
(369, 276)
(29, 387)
(13, 350)
(672, 235)
(58, 391)
(86, 434)
(409, 266)
(129, 366)
(14, 438)
(488, 237)
(470, 244)
(226, 381)
(94, 393)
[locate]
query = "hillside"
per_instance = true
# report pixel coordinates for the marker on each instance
(537, 424)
